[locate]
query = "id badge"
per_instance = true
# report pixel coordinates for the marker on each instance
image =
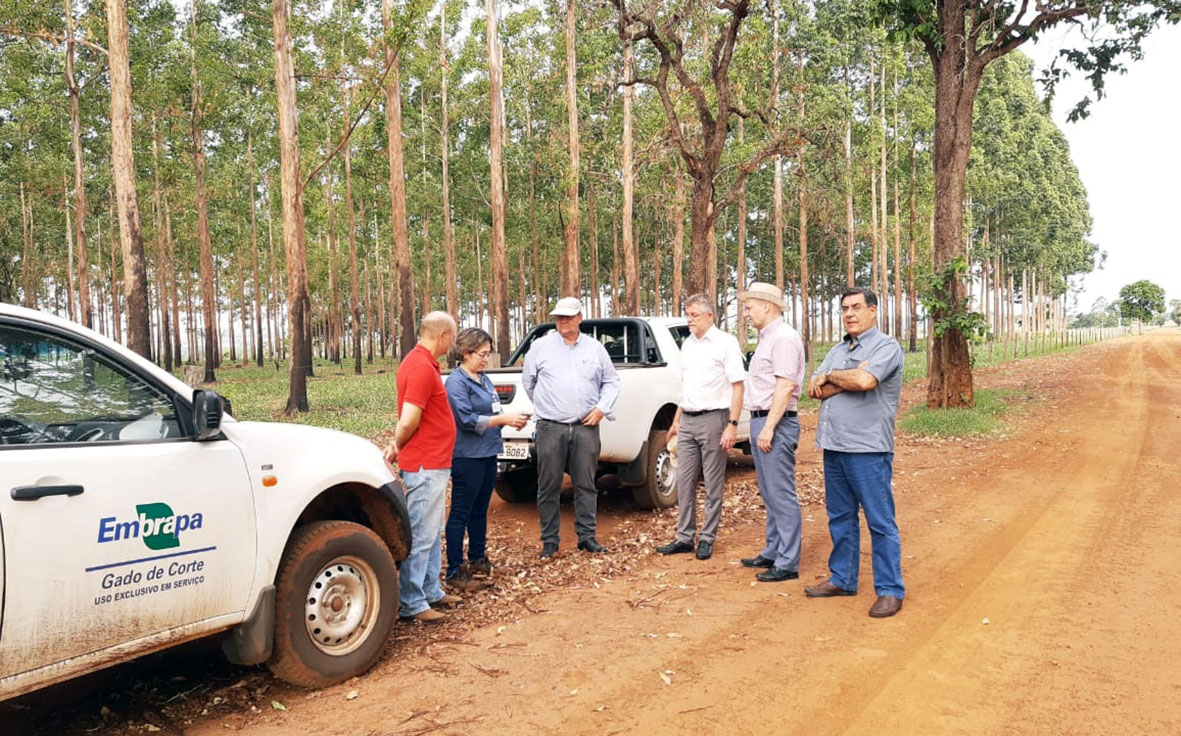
(496, 406)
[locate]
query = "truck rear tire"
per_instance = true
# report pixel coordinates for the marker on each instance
(335, 603)
(659, 490)
(518, 485)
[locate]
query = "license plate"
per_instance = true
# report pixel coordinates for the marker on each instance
(515, 451)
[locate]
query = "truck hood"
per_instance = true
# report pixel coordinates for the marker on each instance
(298, 454)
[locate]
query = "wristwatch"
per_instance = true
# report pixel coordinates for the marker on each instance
(733, 422)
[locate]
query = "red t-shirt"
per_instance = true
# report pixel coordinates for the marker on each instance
(419, 382)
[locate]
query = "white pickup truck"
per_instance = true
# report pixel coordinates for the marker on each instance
(634, 447)
(135, 515)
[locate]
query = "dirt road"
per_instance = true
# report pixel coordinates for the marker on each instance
(1044, 597)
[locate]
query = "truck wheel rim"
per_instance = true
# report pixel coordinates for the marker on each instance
(341, 605)
(666, 476)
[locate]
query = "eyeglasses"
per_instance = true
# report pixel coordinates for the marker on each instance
(845, 308)
(483, 354)
(695, 315)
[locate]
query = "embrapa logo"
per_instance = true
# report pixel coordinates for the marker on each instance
(156, 525)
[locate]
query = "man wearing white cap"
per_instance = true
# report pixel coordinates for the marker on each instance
(573, 386)
(772, 394)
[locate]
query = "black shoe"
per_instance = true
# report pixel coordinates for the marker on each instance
(757, 561)
(675, 547)
(592, 546)
(776, 575)
(549, 549)
(705, 550)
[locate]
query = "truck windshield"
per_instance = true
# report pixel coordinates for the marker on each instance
(627, 341)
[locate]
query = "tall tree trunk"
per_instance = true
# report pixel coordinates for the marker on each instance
(116, 284)
(884, 193)
(444, 133)
(538, 303)
(874, 279)
(426, 212)
(592, 223)
(740, 261)
(897, 227)
(135, 275)
(402, 285)
(910, 257)
(208, 296)
(571, 273)
(615, 290)
(850, 222)
(496, 164)
(956, 84)
(70, 312)
(679, 238)
(28, 268)
(355, 286)
(334, 328)
(256, 284)
(79, 181)
(805, 317)
(298, 302)
(163, 273)
(381, 299)
(631, 266)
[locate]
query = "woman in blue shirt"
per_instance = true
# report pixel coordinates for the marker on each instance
(478, 420)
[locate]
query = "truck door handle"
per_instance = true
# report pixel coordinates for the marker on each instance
(32, 493)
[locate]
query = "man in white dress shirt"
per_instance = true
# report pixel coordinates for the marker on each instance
(706, 424)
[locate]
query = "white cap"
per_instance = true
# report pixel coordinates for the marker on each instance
(567, 307)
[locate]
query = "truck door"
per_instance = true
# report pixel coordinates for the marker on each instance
(118, 529)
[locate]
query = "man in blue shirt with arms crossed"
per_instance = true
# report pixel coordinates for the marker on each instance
(859, 384)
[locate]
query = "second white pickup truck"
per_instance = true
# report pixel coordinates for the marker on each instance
(634, 447)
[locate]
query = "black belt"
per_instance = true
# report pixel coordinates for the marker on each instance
(757, 413)
(699, 413)
(564, 424)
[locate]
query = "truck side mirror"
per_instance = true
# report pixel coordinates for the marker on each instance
(208, 410)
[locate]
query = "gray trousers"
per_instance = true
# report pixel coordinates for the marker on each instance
(572, 449)
(700, 454)
(776, 471)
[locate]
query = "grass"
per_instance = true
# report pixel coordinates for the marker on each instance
(363, 405)
(983, 419)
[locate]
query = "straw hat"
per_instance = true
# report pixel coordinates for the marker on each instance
(766, 292)
(567, 307)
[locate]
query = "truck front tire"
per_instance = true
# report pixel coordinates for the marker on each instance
(336, 601)
(659, 490)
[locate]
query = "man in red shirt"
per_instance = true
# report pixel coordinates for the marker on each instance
(422, 445)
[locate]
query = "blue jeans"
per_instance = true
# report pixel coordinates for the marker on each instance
(418, 582)
(853, 479)
(776, 472)
(472, 479)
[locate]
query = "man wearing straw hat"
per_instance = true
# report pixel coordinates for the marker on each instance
(706, 424)
(772, 394)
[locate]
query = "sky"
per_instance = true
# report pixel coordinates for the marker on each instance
(1129, 157)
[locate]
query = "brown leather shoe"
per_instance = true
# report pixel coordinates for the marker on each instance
(448, 599)
(826, 590)
(885, 606)
(429, 616)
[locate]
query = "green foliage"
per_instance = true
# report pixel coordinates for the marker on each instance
(947, 312)
(984, 418)
(1141, 299)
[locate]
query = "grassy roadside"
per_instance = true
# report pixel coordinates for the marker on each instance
(984, 418)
